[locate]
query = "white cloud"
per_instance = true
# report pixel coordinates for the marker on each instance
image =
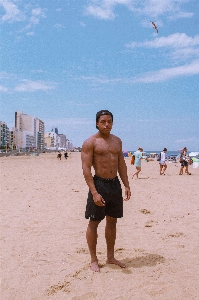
(101, 79)
(156, 8)
(176, 40)
(149, 77)
(12, 12)
(181, 15)
(32, 86)
(30, 33)
(105, 9)
(180, 46)
(59, 26)
(153, 8)
(169, 73)
(3, 89)
(82, 24)
(36, 15)
(100, 12)
(7, 76)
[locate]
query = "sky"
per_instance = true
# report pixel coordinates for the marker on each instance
(64, 60)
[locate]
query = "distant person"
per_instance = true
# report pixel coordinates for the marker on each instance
(59, 155)
(66, 154)
(137, 163)
(184, 160)
(103, 151)
(163, 165)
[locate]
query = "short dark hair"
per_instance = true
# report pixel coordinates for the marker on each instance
(102, 113)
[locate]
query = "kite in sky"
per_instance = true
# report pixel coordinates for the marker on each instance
(154, 26)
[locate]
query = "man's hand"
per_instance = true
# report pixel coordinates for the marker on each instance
(99, 201)
(127, 193)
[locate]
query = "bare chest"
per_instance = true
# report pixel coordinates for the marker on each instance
(106, 148)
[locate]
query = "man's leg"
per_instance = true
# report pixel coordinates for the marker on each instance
(181, 170)
(91, 236)
(165, 166)
(139, 170)
(160, 169)
(187, 170)
(110, 235)
(136, 173)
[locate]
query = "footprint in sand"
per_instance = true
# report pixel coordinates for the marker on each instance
(82, 250)
(177, 234)
(150, 223)
(58, 287)
(145, 211)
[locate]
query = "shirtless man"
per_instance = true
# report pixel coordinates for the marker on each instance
(103, 151)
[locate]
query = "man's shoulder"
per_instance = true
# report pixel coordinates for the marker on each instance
(90, 141)
(115, 137)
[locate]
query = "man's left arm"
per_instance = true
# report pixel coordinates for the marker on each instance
(122, 170)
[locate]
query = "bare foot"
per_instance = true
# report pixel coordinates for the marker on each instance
(116, 262)
(95, 267)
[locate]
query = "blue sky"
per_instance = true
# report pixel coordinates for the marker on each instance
(64, 60)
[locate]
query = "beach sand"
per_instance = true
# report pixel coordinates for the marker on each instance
(44, 253)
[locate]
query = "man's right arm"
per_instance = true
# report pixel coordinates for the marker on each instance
(87, 161)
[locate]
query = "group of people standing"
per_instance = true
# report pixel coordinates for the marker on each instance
(103, 152)
(184, 161)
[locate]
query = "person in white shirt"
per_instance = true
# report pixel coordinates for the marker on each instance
(163, 164)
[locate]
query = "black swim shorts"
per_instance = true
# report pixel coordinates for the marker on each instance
(111, 191)
(184, 163)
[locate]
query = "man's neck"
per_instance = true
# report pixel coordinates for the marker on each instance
(104, 136)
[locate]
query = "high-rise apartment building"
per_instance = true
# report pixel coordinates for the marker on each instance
(54, 129)
(4, 135)
(40, 128)
(51, 140)
(62, 140)
(28, 132)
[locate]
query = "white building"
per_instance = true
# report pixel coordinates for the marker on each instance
(52, 140)
(62, 142)
(69, 145)
(28, 131)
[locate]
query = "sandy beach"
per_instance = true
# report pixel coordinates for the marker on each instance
(44, 253)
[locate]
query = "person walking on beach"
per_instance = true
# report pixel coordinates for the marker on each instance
(163, 165)
(65, 154)
(184, 160)
(59, 155)
(138, 156)
(103, 151)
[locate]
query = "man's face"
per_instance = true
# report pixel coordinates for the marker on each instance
(105, 123)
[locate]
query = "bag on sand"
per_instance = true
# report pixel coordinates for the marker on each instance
(159, 157)
(132, 159)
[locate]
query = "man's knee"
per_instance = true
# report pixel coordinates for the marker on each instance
(111, 220)
(93, 225)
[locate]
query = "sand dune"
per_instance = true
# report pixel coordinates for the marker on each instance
(43, 245)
